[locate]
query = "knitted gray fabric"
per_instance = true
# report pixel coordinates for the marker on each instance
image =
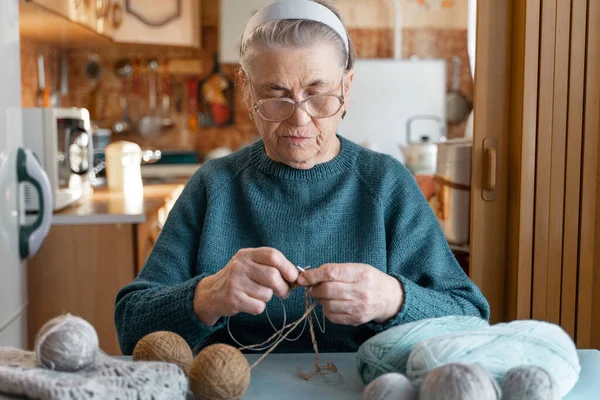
(106, 378)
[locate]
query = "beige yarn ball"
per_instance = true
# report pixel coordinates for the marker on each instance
(66, 343)
(164, 346)
(529, 382)
(457, 381)
(390, 386)
(219, 372)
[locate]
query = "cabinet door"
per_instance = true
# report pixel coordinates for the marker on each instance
(79, 270)
(146, 236)
(169, 22)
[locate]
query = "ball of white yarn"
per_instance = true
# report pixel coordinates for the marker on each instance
(390, 386)
(66, 343)
(459, 382)
(529, 382)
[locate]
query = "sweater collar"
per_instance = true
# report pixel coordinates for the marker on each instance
(340, 163)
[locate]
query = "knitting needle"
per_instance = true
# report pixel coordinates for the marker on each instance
(294, 285)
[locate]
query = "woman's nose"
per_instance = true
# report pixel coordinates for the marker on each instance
(299, 117)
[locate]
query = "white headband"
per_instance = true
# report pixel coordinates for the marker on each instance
(296, 9)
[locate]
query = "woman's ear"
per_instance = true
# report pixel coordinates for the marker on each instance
(348, 78)
(244, 83)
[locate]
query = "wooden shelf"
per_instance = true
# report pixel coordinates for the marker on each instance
(45, 26)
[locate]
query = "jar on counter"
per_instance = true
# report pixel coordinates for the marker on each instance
(123, 167)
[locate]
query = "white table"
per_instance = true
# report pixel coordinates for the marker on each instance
(275, 378)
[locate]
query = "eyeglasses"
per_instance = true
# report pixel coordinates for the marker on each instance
(317, 106)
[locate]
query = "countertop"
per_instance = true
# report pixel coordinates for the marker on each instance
(105, 207)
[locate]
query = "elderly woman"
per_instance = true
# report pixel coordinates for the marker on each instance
(301, 196)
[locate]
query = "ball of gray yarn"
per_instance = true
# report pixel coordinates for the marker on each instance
(390, 386)
(66, 343)
(457, 381)
(529, 382)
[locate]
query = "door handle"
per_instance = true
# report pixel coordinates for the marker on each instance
(490, 169)
(32, 236)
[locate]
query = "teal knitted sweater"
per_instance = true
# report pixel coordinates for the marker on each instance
(361, 207)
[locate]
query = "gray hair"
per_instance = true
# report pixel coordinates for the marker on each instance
(285, 34)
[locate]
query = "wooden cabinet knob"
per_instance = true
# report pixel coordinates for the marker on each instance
(102, 8)
(117, 15)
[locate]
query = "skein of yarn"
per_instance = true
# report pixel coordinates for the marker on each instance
(219, 372)
(529, 382)
(66, 343)
(388, 351)
(390, 386)
(499, 348)
(164, 346)
(459, 382)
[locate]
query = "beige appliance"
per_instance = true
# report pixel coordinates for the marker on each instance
(453, 178)
(61, 140)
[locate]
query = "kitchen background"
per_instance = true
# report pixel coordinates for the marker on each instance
(430, 29)
(75, 54)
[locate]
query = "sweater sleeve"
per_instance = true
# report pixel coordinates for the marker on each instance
(434, 283)
(161, 296)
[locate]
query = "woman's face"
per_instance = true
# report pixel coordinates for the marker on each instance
(300, 141)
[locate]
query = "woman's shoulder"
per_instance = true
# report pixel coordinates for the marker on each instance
(377, 167)
(223, 169)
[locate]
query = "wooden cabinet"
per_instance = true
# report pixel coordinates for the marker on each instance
(79, 270)
(168, 22)
(146, 235)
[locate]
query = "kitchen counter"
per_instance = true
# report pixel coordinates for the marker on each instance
(105, 207)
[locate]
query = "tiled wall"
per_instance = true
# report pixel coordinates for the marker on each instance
(427, 42)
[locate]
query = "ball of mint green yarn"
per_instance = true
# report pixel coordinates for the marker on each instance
(390, 386)
(388, 351)
(529, 382)
(459, 382)
(499, 348)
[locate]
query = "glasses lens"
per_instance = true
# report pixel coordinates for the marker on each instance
(275, 109)
(322, 105)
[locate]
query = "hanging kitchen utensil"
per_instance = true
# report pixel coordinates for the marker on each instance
(64, 76)
(55, 73)
(151, 124)
(123, 70)
(93, 71)
(167, 121)
(41, 93)
(216, 98)
(457, 105)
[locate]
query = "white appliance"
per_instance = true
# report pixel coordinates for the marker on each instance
(17, 166)
(386, 94)
(61, 139)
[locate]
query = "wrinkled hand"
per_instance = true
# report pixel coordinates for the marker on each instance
(245, 284)
(354, 294)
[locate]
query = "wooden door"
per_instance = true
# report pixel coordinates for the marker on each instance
(536, 241)
(489, 195)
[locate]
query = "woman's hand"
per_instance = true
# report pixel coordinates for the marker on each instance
(353, 294)
(246, 284)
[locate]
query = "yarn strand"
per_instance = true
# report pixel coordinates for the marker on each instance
(316, 367)
(306, 313)
(283, 333)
